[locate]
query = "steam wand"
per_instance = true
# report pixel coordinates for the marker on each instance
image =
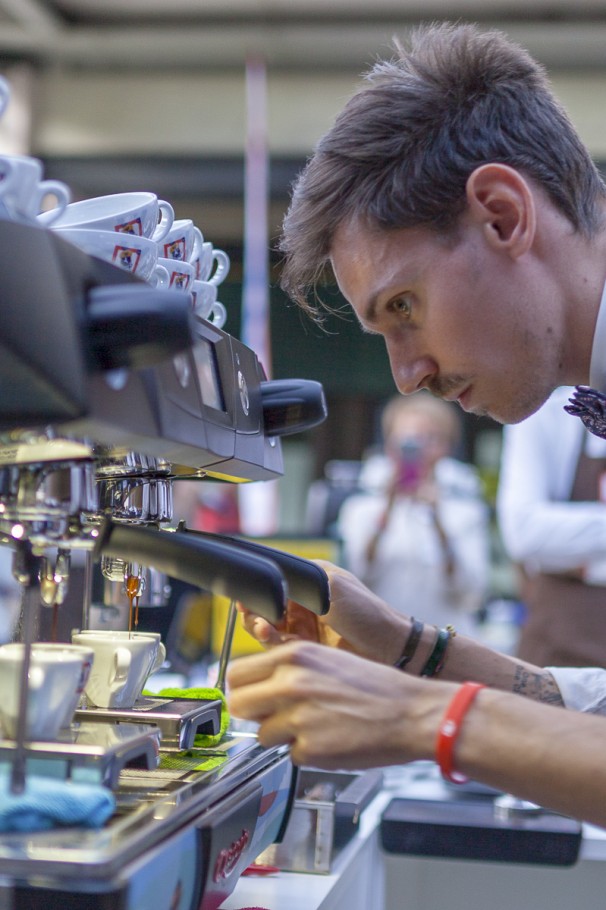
(228, 638)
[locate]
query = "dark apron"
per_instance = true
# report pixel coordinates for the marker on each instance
(566, 621)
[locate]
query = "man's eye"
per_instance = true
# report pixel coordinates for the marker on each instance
(402, 306)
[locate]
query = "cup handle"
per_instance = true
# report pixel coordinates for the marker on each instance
(119, 670)
(197, 248)
(160, 657)
(217, 315)
(62, 194)
(160, 277)
(220, 273)
(167, 216)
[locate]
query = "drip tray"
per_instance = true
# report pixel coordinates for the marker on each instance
(179, 720)
(95, 753)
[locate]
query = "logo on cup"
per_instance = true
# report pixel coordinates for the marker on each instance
(127, 257)
(175, 249)
(179, 281)
(131, 227)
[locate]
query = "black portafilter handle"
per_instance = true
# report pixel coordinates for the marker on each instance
(256, 582)
(308, 583)
(292, 405)
(135, 326)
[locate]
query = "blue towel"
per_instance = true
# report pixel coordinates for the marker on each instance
(48, 803)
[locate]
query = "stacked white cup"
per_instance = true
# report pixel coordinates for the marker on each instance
(23, 192)
(183, 246)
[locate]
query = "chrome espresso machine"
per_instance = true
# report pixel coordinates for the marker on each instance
(112, 391)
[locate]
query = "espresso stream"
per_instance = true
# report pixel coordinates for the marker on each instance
(131, 585)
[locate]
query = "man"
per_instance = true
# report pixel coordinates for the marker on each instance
(463, 220)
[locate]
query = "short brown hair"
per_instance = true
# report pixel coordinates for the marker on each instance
(401, 151)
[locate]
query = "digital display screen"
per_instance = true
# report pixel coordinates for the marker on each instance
(208, 374)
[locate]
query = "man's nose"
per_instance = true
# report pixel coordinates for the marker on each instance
(411, 371)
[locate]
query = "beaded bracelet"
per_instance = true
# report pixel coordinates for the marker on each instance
(435, 661)
(449, 730)
(411, 644)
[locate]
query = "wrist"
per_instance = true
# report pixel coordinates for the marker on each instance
(451, 727)
(424, 650)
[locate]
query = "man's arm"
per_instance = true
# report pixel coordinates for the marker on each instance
(338, 710)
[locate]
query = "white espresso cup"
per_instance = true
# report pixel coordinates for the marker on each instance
(183, 242)
(138, 255)
(142, 214)
(204, 295)
(23, 192)
(58, 673)
(212, 264)
(123, 661)
(181, 274)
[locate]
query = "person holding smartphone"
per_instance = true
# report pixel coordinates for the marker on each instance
(418, 533)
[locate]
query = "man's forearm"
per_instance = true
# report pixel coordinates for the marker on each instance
(468, 659)
(551, 757)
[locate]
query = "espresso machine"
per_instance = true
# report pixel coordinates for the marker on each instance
(112, 392)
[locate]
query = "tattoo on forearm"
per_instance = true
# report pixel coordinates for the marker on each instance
(538, 686)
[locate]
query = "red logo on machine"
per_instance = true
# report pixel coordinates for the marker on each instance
(227, 859)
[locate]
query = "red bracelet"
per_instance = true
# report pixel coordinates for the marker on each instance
(450, 728)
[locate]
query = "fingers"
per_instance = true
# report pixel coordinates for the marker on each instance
(264, 684)
(314, 699)
(298, 623)
(260, 629)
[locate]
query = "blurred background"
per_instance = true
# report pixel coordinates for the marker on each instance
(152, 95)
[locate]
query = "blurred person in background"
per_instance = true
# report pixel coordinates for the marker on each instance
(418, 534)
(551, 512)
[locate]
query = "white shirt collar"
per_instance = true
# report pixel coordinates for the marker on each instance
(597, 367)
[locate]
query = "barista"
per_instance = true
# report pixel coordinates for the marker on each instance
(465, 222)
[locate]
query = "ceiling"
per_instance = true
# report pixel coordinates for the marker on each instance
(335, 34)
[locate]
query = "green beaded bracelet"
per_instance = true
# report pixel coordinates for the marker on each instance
(435, 661)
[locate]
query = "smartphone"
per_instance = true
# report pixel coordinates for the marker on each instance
(409, 465)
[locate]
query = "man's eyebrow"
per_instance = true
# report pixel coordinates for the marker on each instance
(369, 315)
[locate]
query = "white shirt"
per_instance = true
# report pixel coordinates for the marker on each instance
(584, 688)
(539, 526)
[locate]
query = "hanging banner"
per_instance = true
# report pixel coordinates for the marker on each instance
(258, 502)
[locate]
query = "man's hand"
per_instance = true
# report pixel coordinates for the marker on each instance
(336, 710)
(357, 621)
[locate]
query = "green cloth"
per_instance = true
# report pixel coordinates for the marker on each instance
(201, 740)
(191, 760)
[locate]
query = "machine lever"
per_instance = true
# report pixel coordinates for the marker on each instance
(307, 582)
(225, 570)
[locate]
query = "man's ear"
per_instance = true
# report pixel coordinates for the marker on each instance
(501, 201)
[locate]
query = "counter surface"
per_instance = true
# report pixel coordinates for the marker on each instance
(363, 877)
